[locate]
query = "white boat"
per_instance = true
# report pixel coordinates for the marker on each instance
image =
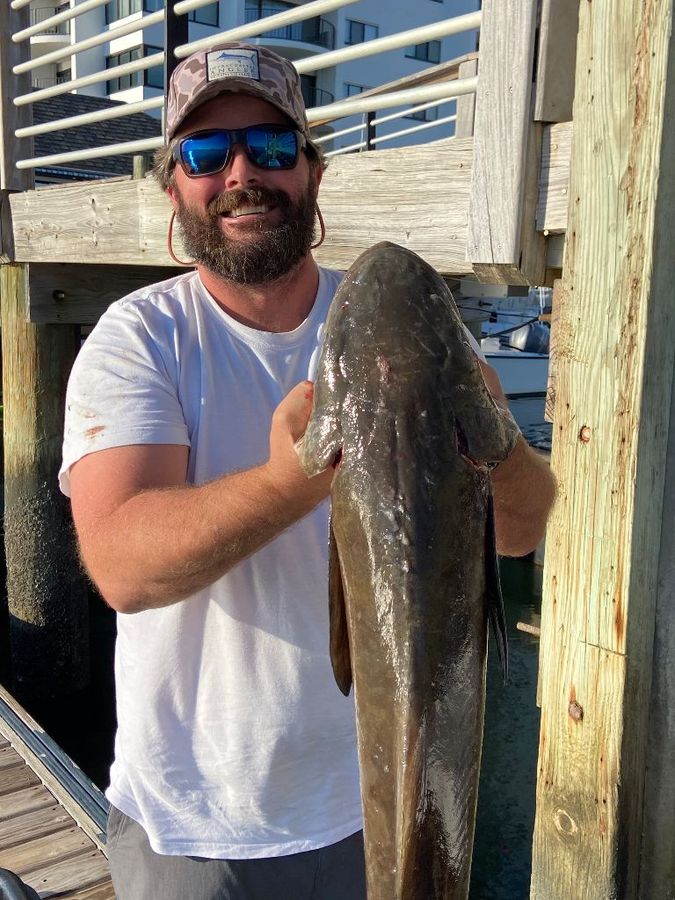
(510, 333)
(522, 373)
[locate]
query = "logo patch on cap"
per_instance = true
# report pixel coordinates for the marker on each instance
(232, 63)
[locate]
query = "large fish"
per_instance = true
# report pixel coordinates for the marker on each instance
(401, 408)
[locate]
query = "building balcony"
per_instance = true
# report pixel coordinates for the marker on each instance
(311, 36)
(52, 35)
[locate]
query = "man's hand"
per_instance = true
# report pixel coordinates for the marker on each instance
(283, 467)
(523, 487)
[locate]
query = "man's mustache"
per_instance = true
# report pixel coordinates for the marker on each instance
(229, 200)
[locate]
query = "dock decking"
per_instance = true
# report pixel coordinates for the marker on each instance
(50, 838)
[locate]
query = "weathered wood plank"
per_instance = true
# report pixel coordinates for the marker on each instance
(16, 779)
(76, 293)
(466, 104)
(9, 758)
(615, 343)
(32, 798)
(70, 874)
(22, 828)
(554, 93)
(103, 891)
(81, 222)
(554, 178)
(44, 850)
(399, 198)
(556, 305)
(501, 138)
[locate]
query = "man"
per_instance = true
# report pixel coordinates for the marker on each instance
(235, 772)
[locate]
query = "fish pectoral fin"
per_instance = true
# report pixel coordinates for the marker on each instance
(495, 598)
(340, 655)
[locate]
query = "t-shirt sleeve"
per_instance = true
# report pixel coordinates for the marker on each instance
(123, 388)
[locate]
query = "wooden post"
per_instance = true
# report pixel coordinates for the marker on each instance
(47, 598)
(502, 243)
(466, 104)
(11, 118)
(615, 346)
(556, 60)
(657, 865)
(46, 590)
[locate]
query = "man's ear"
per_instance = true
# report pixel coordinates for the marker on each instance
(318, 174)
(171, 194)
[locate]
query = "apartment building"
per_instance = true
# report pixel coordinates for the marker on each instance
(360, 22)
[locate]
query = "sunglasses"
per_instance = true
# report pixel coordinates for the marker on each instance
(266, 146)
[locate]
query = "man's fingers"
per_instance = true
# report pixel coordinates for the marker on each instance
(296, 408)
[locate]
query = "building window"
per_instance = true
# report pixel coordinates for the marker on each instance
(429, 52)
(260, 9)
(351, 90)
(63, 75)
(206, 15)
(358, 32)
(118, 9)
(424, 115)
(153, 77)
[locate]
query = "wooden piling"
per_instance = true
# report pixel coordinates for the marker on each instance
(615, 346)
(47, 596)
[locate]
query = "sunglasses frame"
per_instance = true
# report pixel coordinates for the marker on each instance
(238, 136)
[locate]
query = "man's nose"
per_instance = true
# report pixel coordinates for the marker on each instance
(240, 170)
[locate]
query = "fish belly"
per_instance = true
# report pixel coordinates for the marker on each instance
(417, 633)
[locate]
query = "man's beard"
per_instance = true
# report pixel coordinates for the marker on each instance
(263, 254)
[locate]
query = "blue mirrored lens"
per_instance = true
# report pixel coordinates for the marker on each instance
(267, 146)
(205, 153)
(271, 148)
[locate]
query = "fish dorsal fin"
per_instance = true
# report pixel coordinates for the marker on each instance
(340, 655)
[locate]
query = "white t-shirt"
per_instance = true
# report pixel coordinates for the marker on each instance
(233, 739)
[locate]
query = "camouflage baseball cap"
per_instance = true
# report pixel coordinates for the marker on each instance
(236, 68)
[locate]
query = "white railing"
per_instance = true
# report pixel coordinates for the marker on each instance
(422, 98)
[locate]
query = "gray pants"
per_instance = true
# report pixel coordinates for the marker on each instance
(331, 873)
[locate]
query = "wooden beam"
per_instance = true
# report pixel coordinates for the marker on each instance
(616, 335)
(79, 294)
(554, 179)
(366, 197)
(504, 156)
(11, 118)
(46, 590)
(657, 868)
(466, 104)
(556, 60)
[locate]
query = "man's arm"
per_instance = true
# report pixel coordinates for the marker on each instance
(149, 540)
(523, 488)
